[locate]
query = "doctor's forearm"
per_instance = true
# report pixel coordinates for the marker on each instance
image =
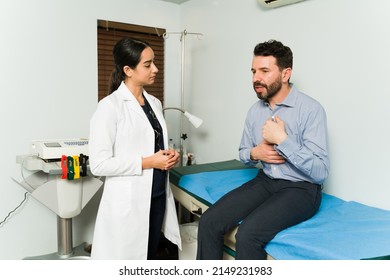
(147, 162)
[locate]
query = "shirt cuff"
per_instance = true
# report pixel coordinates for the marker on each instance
(287, 147)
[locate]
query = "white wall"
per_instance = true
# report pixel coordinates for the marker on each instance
(341, 58)
(48, 78)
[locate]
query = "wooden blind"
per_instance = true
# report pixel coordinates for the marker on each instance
(109, 33)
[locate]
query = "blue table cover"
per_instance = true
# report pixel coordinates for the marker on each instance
(340, 230)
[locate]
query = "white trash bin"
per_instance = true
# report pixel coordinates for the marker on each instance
(189, 241)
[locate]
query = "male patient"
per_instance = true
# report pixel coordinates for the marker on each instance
(285, 131)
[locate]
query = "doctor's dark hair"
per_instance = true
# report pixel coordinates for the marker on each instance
(282, 53)
(126, 52)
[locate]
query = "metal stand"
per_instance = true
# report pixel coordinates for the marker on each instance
(65, 244)
(66, 198)
(64, 237)
(183, 35)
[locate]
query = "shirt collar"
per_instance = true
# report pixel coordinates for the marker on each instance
(291, 98)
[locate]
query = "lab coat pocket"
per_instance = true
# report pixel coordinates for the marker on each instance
(126, 195)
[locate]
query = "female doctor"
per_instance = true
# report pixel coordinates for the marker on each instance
(127, 145)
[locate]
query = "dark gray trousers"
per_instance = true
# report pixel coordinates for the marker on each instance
(261, 207)
(157, 211)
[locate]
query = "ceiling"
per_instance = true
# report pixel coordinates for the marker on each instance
(176, 1)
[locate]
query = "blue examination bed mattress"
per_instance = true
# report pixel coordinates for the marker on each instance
(341, 230)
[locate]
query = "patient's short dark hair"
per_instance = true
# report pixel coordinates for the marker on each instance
(282, 53)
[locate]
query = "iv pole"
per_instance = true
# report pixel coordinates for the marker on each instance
(183, 35)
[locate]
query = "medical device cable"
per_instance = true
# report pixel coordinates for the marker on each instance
(26, 193)
(16, 208)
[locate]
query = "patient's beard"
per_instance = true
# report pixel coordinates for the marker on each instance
(271, 90)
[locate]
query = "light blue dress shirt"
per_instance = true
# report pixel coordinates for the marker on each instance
(306, 147)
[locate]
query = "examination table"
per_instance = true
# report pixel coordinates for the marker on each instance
(341, 230)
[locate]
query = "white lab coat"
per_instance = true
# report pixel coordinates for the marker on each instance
(120, 135)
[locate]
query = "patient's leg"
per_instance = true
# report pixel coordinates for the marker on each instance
(226, 214)
(291, 203)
